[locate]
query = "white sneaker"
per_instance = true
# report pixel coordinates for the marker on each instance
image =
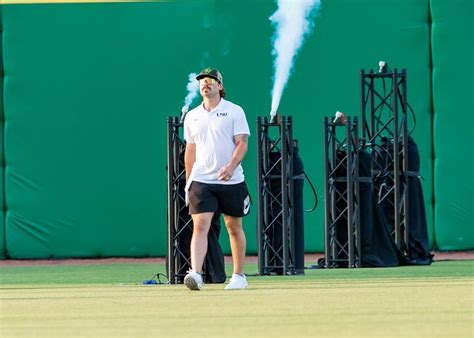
(237, 282)
(193, 280)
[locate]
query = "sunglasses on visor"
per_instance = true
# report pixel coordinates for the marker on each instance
(208, 80)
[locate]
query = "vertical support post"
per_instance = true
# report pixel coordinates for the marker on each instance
(396, 160)
(388, 133)
(372, 104)
(264, 177)
(284, 193)
(363, 103)
(177, 257)
(291, 203)
(358, 247)
(333, 192)
(327, 198)
(275, 209)
(349, 193)
(341, 194)
(406, 196)
(260, 203)
(171, 213)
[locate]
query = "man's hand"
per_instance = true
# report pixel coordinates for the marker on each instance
(225, 173)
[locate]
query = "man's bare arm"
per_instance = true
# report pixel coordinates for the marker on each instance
(241, 146)
(189, 158)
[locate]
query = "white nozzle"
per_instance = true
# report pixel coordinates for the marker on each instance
(340, 117)
(273, 114)
(184, 111)
(382, 65)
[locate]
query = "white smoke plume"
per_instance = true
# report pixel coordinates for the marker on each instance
(193, 88)
(292, 20)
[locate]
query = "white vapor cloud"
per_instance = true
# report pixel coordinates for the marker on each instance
(193, 89)
(292, 21)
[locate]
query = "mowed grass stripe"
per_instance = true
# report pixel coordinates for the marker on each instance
(136, 273)
(137, 291)
(255, 283)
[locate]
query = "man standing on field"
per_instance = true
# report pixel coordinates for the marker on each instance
(216, 134)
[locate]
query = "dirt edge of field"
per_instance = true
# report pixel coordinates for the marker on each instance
(309, 258)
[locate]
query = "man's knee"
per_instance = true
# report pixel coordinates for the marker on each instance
(233, 225)
(202, 223)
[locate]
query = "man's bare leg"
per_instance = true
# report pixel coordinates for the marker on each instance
(201, 224)
(238, 242)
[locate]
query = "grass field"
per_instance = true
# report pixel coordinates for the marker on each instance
(110, 300)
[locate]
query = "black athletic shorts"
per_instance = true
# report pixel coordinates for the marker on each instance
(230, 199)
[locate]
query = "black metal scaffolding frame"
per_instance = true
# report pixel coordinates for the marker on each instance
(275, 220)
(384, 131)
(178, 221)
(384, 128)
(342, 195)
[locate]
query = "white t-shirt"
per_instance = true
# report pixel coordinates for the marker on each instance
(213, 133)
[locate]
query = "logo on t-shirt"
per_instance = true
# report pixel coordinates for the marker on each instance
(221, 114)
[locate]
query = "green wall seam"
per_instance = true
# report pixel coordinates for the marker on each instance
(2, 154)
(433, 197)
(452, 87)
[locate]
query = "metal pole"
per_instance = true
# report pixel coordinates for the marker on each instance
(171, 211)
(357, 195)
(265, 194)
(333, 194)
(260, 204)
(396, 158)
(284, 194)
(372, 105)
(327, 218)
(406, 166)
(363, 104)
(349, 191)
(291, 204)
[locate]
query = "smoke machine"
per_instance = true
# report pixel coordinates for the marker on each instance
(280, 224)
(369, 181)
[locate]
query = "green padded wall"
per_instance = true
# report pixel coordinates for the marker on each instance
(86, 125)
(90, 86)
(453, 72)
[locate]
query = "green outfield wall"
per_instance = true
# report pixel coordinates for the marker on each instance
(2, 164)
(452, 41)
(87, 88)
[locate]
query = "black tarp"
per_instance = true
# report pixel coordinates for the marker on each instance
(418, 243)
(275, 236)
(378, 248)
